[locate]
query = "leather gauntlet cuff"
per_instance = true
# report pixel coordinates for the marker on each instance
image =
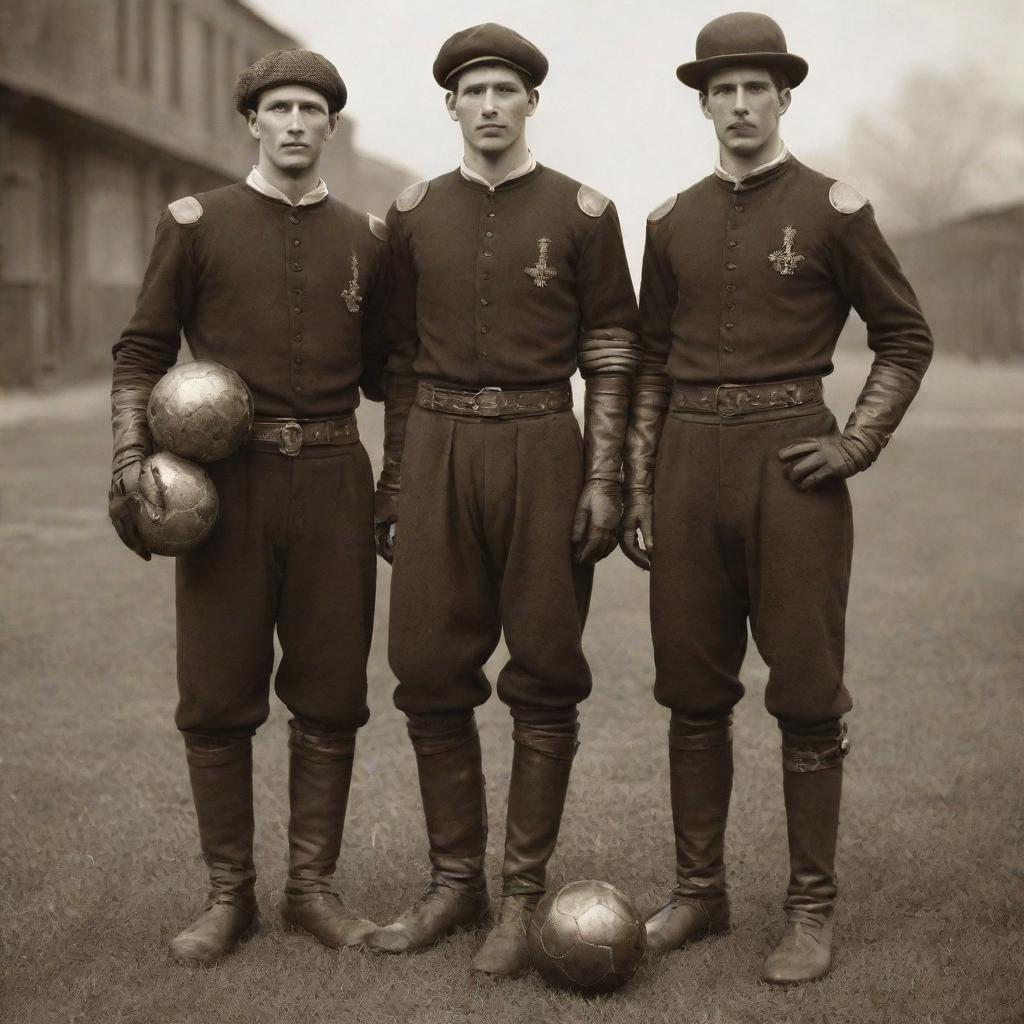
(652, 390)
(132, 439)
(611, 351)
(606, 410)
(399, 393)
(882, 403)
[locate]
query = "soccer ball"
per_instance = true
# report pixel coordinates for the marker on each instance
(587, 936)
(200, 410)
(177, 504)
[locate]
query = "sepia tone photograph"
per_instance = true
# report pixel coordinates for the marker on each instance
(511, 513)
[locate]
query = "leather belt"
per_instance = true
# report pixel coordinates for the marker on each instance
(289, 436)
(743, 399)
(493, 402)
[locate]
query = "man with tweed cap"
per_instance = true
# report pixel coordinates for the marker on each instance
(508, 276)
(286, 285)
(748, 278)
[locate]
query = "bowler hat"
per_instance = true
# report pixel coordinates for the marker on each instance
(290, 67)
(489, 44)
(741, 38)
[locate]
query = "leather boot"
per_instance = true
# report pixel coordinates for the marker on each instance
(541, 764)
(700, 777)
(455, 806)
(320, 771)
(812, 784)
(221, 776)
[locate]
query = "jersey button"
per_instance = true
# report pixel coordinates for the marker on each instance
(296, 242)
(487, 252)
(484, 329)
(725, 348)
(732, 245)
(738, 207)
(488, 234)
(730, 266)
(294, 219)
(484, 302)
(730, 287)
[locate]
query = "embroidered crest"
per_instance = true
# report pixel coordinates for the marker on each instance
(785, 260)
(352, 296)
(542, 271)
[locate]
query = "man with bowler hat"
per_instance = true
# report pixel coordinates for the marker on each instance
(735, 463)
(286, 285)
(508, 276)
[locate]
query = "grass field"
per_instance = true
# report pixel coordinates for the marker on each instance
(99, 864)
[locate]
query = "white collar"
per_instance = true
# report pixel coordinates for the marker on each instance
(518, 172)
(782, 157)
(258, 182)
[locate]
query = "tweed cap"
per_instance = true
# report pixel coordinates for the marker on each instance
(290, 67)
(741, 38)
(489, 44)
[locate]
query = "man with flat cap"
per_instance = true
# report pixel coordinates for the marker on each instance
(735, 463)
(508, 277)
(286, 285)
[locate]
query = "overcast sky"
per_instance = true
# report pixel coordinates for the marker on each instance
(612, 113)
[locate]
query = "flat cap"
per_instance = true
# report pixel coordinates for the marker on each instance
(489, 44)
(290, 67)
(741, 38)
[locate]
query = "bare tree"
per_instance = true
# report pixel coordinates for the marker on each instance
(945, 144)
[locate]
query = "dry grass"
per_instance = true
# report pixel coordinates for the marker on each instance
(99, 864)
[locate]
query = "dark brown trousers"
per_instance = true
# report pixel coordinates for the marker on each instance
(292, 549)
(484, 544)
(734, 539)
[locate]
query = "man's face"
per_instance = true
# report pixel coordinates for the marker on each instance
(491, 105)
(292, 124)
(745, 106)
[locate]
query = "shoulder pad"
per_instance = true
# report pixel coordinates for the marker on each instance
(845, 198)
(187, 210)
(664, 210)
(378, 227)
(591, 202)
(412, 196)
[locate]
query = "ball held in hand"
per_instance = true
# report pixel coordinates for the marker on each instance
(176, 505)
(200, 410)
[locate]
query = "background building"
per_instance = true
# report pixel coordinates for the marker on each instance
(969, 276)
(109, 109)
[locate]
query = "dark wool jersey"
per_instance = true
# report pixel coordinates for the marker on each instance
(755, 283)
(497, 286)
(293, 298)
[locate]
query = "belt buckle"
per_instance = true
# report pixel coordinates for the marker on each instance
(485, 401)
(718, 408)
(290, 442)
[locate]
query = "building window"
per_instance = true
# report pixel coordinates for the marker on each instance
(121, 38)
(230, 73)
(210, 104)
(174, 54)
(146, 41)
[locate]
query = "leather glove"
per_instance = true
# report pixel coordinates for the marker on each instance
(599, 508)
(132, 443)
(651, 391)
(399, 393)
(887, 394)
(638, 519)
